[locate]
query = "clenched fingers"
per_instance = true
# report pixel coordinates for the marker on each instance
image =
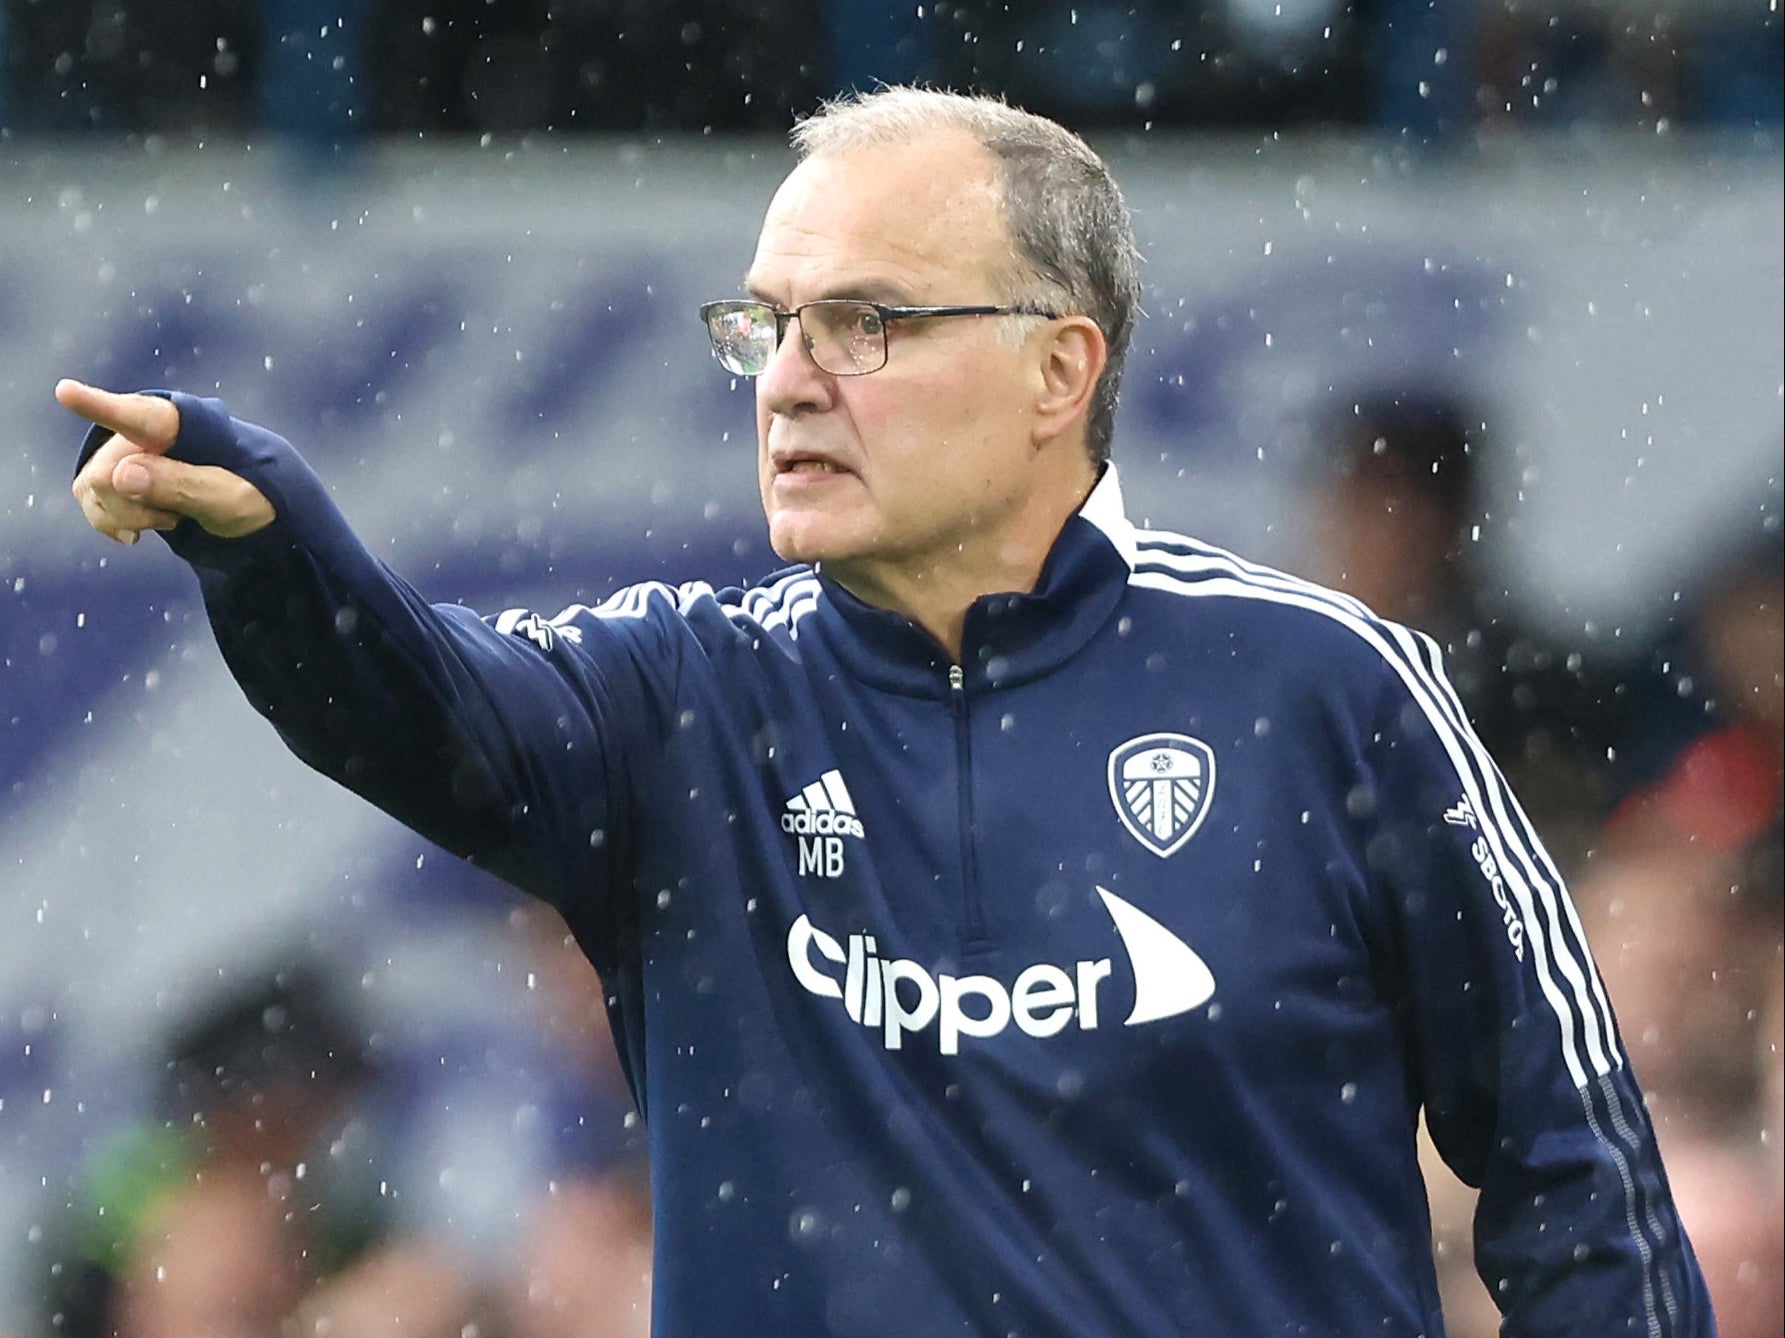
(223, 502)
(115, 514)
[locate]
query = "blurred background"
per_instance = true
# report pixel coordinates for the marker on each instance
(1474, 309)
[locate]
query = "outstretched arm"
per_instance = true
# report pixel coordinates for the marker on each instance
(455, 728)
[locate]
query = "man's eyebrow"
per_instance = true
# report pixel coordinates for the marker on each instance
(884, 291)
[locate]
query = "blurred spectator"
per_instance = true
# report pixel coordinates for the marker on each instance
(1685, 896)
(1395, 519)
(1398, 520)
(1686, 948)
(520, 1203)
(215, 1217)
(488, 1181)
(1703, 760)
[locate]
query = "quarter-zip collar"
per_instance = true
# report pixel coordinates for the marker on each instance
(1007, 638)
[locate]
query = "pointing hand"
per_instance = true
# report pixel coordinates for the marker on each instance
(130, 485)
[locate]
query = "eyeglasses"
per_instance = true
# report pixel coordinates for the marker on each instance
(844, 337)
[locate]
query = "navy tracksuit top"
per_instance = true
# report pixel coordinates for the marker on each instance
(1092, 986)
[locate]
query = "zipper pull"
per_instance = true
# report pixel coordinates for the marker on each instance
(957, 678)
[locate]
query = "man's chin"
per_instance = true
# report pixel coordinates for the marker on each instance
(796, 539)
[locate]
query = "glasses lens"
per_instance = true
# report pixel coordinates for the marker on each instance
(846, 338)
(743, 335)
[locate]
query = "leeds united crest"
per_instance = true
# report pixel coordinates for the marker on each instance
(1161, 785)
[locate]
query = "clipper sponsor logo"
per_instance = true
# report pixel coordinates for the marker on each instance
(897, 997)
(819, 817)
(1161, 785)
(1490, 870)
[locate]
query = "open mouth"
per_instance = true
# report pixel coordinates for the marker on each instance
(808, 465)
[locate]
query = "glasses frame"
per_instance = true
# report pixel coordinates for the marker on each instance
(725, 306)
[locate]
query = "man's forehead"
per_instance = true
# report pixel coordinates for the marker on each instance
(885, 223)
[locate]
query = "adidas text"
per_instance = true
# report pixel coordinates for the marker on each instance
(821, 823)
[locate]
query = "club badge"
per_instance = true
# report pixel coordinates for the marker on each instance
(1161, 785)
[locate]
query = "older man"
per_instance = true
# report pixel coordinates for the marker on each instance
(1014, 921)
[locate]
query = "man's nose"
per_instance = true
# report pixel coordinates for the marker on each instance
(793, 383)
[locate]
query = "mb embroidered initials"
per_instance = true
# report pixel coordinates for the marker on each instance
(819, 817)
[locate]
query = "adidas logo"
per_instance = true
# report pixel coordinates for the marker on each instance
(819, 817)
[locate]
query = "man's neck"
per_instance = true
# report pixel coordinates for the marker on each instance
(935, 593)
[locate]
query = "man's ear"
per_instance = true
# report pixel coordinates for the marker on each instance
(1072, 357)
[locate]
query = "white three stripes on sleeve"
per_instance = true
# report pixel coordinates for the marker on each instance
(1563, 968)
(784, 603)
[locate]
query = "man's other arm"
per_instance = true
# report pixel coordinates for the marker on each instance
(1526, 1089)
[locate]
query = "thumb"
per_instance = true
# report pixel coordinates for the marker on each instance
(223, 503)
(133, 477)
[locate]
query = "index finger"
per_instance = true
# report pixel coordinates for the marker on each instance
(148, 420)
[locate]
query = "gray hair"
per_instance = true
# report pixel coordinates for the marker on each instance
(1073, 235)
